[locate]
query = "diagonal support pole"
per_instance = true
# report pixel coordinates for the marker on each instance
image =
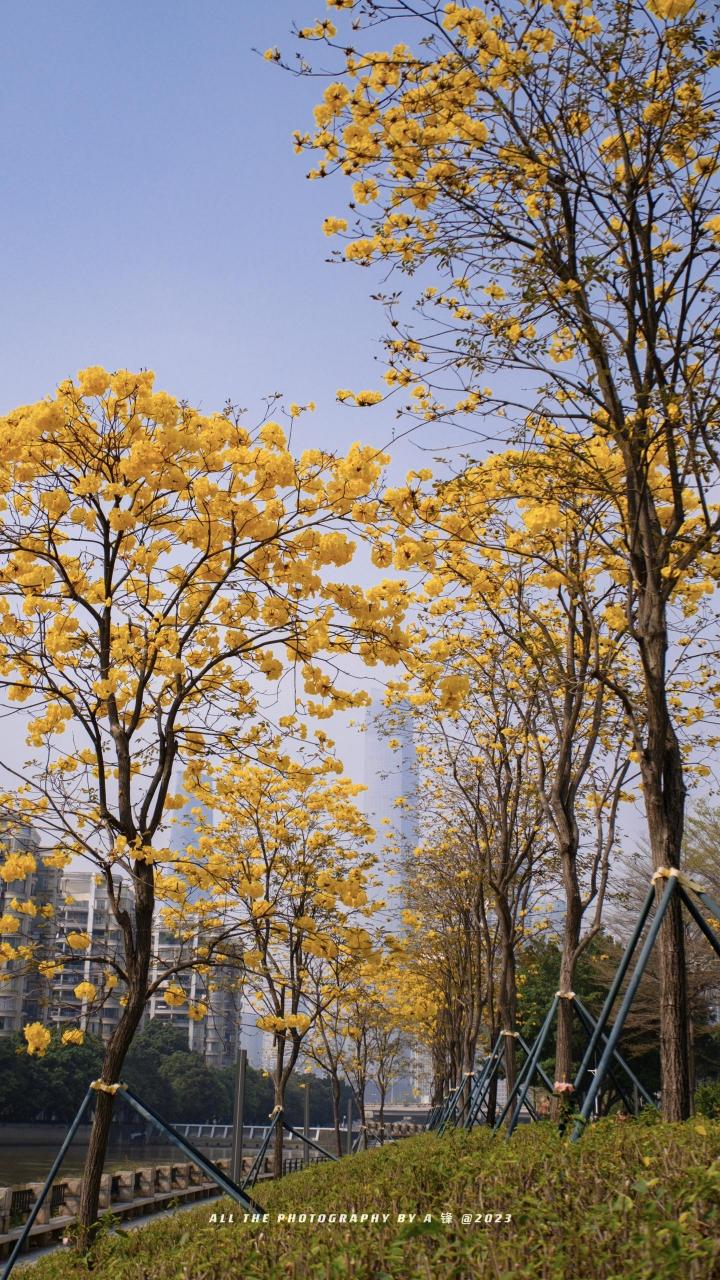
(311, 1143)
(476, 1095)
(531, 1067)
(523, 1081)
(540, 1070)
(223, 1180)
(450, 1107)
(470, 1094)
(256, 1165)
(700, 920)
(443, 1109)
(19, 1243)
(707, 902)
(622, 1013)
(614, 988)
(490, 1070)
(432, 1114)
(589, 1021)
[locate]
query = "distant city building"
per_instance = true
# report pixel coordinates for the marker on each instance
(390, 801)
(85, 908)
(23, 995)
(79, 902)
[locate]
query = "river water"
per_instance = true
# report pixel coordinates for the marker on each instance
(32, 1163)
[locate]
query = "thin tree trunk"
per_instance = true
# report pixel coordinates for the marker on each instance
(281, 1075)
(491, 1096)
(100, 1132)
(439, 1075)
(138, 950)
(507, 988)
(570, 941)
(664, 794)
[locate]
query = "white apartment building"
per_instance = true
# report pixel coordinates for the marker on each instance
(23, 995)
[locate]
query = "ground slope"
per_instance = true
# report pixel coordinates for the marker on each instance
(631, 1201)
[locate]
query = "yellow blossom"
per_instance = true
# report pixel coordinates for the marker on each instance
(85, 991)
(73, 1035)
(38, 1038)
(78, 941)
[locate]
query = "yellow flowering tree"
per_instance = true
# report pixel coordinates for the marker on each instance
(362, 1026)
(484, 850)
(160, 569)
(516, 657)
(289, 856)
(556, 164)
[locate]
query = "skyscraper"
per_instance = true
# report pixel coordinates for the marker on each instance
(390, 801)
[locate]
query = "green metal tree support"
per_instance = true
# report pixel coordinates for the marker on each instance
(218, 1176)
(676, 883)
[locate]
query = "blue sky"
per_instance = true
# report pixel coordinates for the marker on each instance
(155, 213)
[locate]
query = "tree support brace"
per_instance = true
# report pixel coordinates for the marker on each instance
(315, 1145)
(523, 1082)
(676, 882)
(256, 1165)
(218, 1176)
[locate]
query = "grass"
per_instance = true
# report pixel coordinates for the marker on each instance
(633, 1201)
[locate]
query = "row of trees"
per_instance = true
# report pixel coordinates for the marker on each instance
(167, 577)
(166, 603)
(161, 1069)
(552, 171)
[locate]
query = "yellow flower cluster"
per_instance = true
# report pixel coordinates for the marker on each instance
(16, 866)
(73, 1035)
(85, 991)
(79, 941)
(38, 1038)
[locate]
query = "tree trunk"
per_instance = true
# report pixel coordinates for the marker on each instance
(138, 949)
(280, 1078)
(571, 938)
(359, 1093)
(115, 1054)
(664, 794)
(692, 1058)
(507, 988)
(439, 1075)
(381, 1115)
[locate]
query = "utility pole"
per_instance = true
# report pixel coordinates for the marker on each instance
(306, 1121)
(236, 1155)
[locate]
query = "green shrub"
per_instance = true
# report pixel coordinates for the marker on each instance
(707, 1099)
(629, 1202)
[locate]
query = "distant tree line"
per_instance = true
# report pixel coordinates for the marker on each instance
(160, 1068)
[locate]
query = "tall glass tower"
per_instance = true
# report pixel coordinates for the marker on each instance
(390, 802)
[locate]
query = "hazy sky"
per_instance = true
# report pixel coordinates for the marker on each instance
(155, 213)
